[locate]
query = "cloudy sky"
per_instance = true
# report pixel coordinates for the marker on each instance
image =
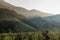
(49, 6)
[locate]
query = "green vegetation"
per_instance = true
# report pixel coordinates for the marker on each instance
(30, 36)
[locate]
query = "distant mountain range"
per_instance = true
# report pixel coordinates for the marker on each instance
(23, 20)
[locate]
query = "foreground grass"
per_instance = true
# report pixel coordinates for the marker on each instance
(30, 36)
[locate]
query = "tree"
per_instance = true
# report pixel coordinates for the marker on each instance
(45, 34)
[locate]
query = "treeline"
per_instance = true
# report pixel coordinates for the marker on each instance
(30, 36)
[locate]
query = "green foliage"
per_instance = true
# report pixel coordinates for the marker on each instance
(29, 36)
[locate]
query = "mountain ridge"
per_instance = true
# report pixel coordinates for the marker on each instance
(23, 11)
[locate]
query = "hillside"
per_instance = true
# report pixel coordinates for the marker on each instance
(55, 18)
(23, 11)
(42, 24)
(14, 27)
(11, 22)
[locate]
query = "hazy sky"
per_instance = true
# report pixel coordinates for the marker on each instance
(50, 6)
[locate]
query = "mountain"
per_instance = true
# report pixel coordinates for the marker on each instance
(10, 21)
(10, 13)
(23, 11)
(31, 20)
(53, 19)
(42, 24)
(39, 13)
